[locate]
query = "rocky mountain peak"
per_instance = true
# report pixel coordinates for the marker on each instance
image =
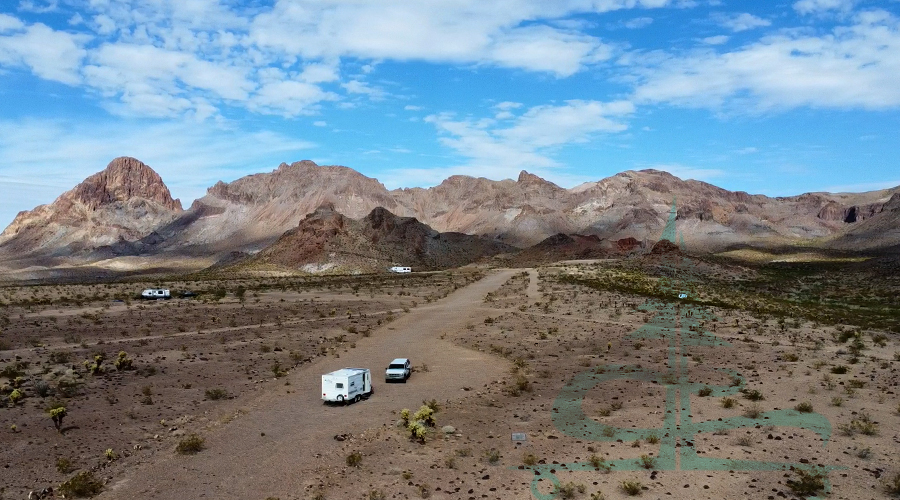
(123, 179)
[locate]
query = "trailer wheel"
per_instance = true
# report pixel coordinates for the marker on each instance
(340, 399)
(357, 398)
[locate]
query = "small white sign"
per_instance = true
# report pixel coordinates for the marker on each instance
(682, 295)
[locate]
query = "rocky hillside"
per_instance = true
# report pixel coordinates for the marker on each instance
(124, 202)
(126, 210)
(326, 240)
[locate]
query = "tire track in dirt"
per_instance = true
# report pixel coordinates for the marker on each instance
(265, 451)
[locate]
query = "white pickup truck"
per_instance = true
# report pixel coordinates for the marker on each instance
(399, 369)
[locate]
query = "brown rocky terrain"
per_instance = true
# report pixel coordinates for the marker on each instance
(125, 217)
(326, 240)
(124, 202)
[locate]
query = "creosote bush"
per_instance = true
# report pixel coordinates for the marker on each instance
(631, 488)
(808, 483)
(190, 445)
(805, 407)
(81, 485)
(354, 459)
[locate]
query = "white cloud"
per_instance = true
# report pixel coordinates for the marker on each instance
(10, 23)
(501, 149)
(468, 31)
(289, 98)
(49, 54)
(819, 6)
(638, 22)
(39, 7)
(359, 87)
(742, 22)
(320, 123)
(716, 40)
(51, 156)
(854, 66)
(410, 107)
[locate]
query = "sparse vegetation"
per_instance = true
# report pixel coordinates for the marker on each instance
(631, 488)
(807, 483)
(190, 445)
(81, 485)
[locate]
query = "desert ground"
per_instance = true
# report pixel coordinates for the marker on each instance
(613, 385)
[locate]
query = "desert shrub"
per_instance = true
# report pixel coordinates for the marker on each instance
(424, 490)
(599, 463)
(376, 495)
(568, 490)
(433, 404)
(404, 416)
(727, 402)
(705, 391)
(64, 465)
(60, 357)
(13, 370)
(839, 370)
(354, 459)
(892, 485)
(752, 395)
(647, 462)
(190, 445)
(42, 388)
(805, 407)
(529, 459)
(808, 482)
(81, 485)
(277, 370)
(837, 401)
(492, 456)
(631, 488)
(216, 394)
(753, 411)
(744, 441)
(856, 384)
(651, 439)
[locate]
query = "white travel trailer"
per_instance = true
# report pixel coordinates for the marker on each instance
(346, 385)
(156, 293)
(400, 269)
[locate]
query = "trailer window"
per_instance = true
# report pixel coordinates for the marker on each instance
(339, 385)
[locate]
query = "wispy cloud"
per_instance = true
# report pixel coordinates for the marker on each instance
(529, 140)
(853, 66)
(742, 22)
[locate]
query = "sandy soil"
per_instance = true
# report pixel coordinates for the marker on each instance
(494, 355)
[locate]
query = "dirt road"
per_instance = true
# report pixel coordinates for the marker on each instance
(263, 452)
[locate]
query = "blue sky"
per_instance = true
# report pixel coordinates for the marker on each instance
(778, 98)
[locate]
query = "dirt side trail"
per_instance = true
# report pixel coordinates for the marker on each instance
(265, 451)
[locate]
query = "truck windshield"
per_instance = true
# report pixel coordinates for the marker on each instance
(396, 366)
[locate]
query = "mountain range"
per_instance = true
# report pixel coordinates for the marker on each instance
(125, 214)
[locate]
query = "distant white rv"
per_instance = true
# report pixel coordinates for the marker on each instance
(347, 385)
(400, 269)
(156, 293)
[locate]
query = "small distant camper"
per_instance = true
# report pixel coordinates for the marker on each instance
(156, 293)
(400, 269)
(346, 385)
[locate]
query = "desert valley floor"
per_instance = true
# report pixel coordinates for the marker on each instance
(616, 383)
